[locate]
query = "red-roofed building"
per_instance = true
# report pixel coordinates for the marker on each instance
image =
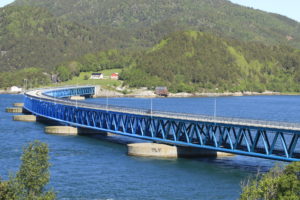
(114, 76)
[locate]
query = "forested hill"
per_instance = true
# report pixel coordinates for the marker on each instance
(196, 61)
(33, 37)
(149, 20)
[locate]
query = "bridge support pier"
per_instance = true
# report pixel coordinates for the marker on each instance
(77, 98)
(86, 131)
(167, 151)
(25, 118)
(61, 130)
(14, 110)
(18, 105)
(68, 130)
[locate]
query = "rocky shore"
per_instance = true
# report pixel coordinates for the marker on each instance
(9, 92)
(144, 93)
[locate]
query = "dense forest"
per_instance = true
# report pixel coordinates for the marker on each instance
(33, 37)
(148, 21)
(186, 45)
(190, 61)
(196, 61)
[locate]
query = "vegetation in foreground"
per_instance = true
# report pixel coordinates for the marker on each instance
(279, 183)
(30, 181)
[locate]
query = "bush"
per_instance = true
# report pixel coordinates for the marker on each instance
(30, 181)
(279, 183)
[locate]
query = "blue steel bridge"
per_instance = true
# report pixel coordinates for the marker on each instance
(263, 139)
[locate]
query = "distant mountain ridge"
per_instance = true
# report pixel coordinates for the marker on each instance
(150, 20)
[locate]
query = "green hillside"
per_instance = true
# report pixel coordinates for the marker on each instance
(187, 45)
(148, 21)
(187, 61)
(33, 37)
(196, 61)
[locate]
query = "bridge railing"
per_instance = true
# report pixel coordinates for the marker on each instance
(175, 115)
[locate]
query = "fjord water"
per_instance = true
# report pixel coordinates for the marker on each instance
(93, 168)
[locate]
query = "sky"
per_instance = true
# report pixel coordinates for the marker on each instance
(289, 8)
(5, 2)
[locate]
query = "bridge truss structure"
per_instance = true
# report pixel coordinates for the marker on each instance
(263, 139)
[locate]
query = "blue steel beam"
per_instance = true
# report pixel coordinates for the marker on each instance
(251, 141)
(67, 92)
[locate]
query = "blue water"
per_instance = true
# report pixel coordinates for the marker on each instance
(95, 168)
(273, 108)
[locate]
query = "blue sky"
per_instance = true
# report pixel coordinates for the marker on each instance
(4, 2)
(288, 8)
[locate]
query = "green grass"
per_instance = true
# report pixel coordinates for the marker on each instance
(80, 80)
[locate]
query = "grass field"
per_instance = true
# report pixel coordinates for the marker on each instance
(81, 79)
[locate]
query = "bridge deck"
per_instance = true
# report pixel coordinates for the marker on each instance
(174, 115)
(265, 139)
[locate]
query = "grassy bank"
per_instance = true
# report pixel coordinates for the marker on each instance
(83, 79)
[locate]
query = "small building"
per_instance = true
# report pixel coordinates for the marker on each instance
(114, 76)
(96, 76)
(162, 91)
(15, 89)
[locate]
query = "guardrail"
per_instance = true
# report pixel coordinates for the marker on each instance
(38, 94)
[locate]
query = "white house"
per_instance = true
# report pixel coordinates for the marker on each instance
(15, 89)
(96, 76)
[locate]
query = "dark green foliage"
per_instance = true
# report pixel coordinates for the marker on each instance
(32, 77)
(32, 177)
(195, 61)
(111, 59)
(32, 37)
(148, 21)
(279, 183)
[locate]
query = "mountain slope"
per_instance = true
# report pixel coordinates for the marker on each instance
(197, 61)
(33, 37)
(147, 19)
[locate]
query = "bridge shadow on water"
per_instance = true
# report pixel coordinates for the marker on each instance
(243, 164)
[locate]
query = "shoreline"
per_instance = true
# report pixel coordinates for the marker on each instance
(191, 95)
(150, 94)
(8, 92)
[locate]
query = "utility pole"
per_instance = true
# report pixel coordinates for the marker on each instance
(106, 101)
(151, 106)
(25, 85)
(215, 105)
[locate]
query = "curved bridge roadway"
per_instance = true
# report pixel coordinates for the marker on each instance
(264, 139)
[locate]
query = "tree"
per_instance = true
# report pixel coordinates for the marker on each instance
(30, 181)
(279, 183)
